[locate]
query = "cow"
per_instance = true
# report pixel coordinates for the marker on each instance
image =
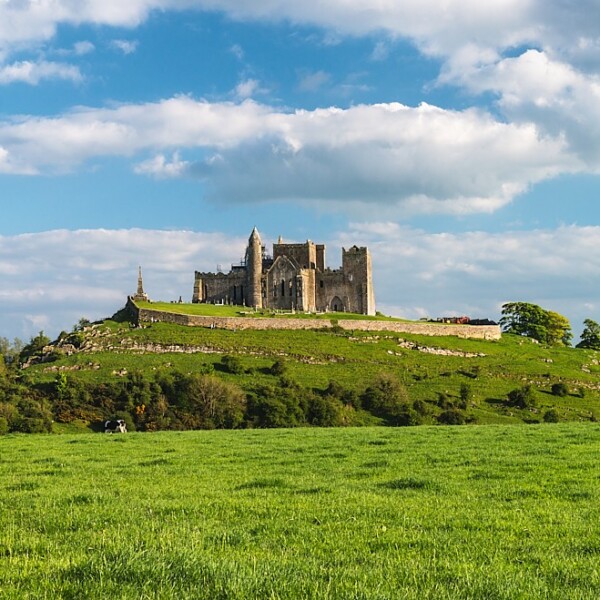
(117, 426)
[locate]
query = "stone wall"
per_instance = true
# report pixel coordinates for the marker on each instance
(485, 332)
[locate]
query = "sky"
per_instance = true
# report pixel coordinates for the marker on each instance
(458, 140)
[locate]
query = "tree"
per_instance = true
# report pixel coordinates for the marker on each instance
(388, 399)
(590, 336)
(531, 320)
(35, 346)
(558, 329)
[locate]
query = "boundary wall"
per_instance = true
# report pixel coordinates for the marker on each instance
(145, 315)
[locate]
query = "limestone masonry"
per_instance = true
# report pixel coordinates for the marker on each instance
(147, 315)
(293, 278)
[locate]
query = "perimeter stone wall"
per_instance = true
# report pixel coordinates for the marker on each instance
(144, 315)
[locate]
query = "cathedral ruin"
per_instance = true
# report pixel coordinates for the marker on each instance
(293, 278)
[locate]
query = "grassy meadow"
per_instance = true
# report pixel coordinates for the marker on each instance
(489, 512)
(491, 369)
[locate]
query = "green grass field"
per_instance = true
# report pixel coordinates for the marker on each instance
(229, 310)
(490, 512)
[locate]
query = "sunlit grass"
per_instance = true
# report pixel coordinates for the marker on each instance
(486, 512)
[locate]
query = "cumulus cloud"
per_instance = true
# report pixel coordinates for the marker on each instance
(247, 88)
(311, 82)
(51, 279)
(124, 46)
(33, 72)
(83, 47)
(163, 168)
(417, 159)
(420, 274)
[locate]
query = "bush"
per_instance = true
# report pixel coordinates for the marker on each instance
(451, 417)
(560, 389)
(279, 368)
(388, 399)
(523, 397)
(3, 425)
(551, 416)
(466, 394)
(232, 364)
(421, 407)
(444, 401)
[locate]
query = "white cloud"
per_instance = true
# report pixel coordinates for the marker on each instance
(124, 46)
(435, 274)
(534, 88)
(51, 279)
(64, 275)
(83, 47)
(161, 168)
(312, 82)
(237, 51)
(34, 72)
(417, 159)
(470, 37)
(247, 88)
(439, 29)
(381, 51)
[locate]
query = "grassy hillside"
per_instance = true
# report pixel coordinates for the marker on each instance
(428, 512)
(432, 369)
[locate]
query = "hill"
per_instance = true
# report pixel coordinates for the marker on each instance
(331, 376)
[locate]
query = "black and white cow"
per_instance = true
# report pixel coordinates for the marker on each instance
(117, 426)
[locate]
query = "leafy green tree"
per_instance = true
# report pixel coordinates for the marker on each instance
(590, 336)
(82, 324)
(558, 329)
(531, 320)
(388, 399)
(35, 346)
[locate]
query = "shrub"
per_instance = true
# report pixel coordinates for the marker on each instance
(560, 389)
(278, 368)
(551, 416)
(466, 393)
(421, 407)
(444, 401)
(523, 397)
(451, 417)
(388, 399)
(232, 364)
(3, 425)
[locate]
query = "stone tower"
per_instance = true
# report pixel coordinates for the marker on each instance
(356, 264)
(254, 270)
(140, 295)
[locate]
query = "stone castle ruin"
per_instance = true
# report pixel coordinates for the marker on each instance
(293, 278)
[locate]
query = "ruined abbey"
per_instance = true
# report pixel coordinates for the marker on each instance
(294, 277)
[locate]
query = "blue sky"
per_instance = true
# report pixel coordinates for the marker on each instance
(460, 142)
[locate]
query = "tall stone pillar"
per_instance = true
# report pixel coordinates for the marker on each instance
(254, 270)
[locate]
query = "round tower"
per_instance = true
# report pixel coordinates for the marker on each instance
(254, 270)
